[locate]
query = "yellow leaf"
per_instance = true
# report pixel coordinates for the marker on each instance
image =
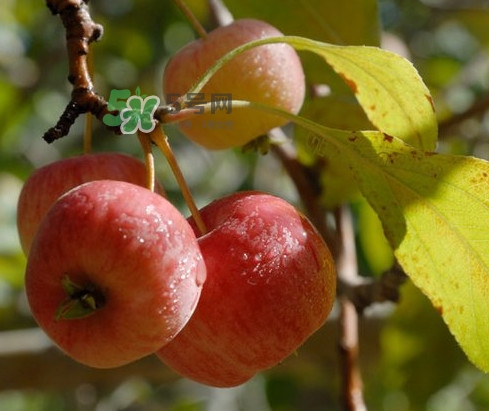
(387, 86)
(435, 212)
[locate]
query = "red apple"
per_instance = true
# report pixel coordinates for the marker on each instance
(114, 273)
(47, 183)
(270, 74)
(270, 285)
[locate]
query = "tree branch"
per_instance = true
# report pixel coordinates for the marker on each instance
(346, 265)
(81, 30)
(367, 291)
(477, 109)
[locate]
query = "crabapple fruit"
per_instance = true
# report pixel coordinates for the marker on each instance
(46, 184)
(270, 285)
(114, 273)
(271, 74)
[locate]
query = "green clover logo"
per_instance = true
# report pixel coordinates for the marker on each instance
(138, 114)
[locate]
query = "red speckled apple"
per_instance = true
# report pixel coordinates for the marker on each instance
(270, 285)
(46, 184)
(270, 74)
(114, 273)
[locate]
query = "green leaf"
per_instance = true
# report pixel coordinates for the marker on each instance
(387, 86)
(376, 249)
(434, 209)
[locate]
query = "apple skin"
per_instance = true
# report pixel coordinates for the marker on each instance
(270, 285)
(135, 249)
(46, 184)
(269, 74)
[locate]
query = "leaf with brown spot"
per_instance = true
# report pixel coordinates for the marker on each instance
(434, 210)
(387, 86)
(435, 213)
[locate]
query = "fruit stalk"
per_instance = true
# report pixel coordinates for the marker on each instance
(145, 141)
(347, 268)
(191, 18)
(159, 138)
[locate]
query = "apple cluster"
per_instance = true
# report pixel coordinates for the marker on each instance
(115, 272)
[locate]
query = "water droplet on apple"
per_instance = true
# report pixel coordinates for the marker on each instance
(251, 281)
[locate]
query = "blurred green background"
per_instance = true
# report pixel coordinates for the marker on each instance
(409, 361)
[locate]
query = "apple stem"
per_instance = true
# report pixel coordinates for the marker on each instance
(160, 139)
(191, 18)
(145, 141)
(81, 302)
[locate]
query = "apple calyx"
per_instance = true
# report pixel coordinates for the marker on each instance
(82, 301)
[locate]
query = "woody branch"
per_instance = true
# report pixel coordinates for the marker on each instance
(81, 30)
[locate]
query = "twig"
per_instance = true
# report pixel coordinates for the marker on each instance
(191, 18)
(368, 291)
(80, 32)
(346, 265)
(478, 108)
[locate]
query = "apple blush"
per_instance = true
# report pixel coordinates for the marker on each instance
(46, 184)
(270, 74)
(270, 285)
(114, 273)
